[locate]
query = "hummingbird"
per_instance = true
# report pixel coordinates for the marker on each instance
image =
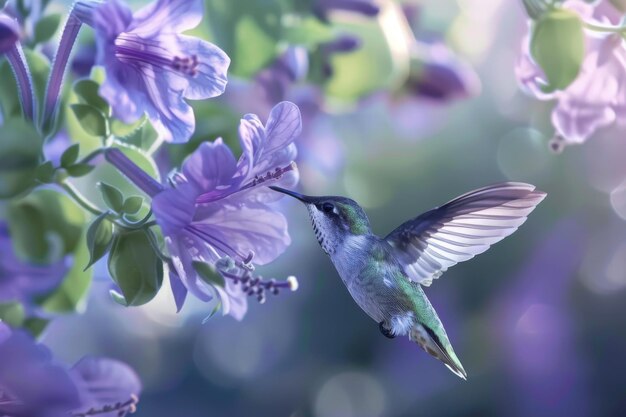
(385, 276)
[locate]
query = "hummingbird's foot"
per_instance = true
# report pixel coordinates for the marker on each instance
(385, 331)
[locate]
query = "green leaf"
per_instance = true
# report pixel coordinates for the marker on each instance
(209, 274)
(143, 136)
(79, 170)
(20, 149)
(45, 172)
(35, 325)
(118, 298)
(135, 267)
(12, 313)
(70, 155)
(87, 92)
(91, 119)
(558, 46)
(132, 204)
(216, 307)
(99, 238)
(70, 295)
(46, 27)
(44, 225)
(112, 196)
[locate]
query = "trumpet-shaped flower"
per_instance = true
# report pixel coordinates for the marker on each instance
(597, 97)
(32, 384)
(151, 67)
(216, 210)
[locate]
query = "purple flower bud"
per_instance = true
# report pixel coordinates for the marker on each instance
(437, 73)
(322, 8)
(9, 33)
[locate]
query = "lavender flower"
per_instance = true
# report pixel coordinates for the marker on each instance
(216, 209)
(151, 67)
(597, 97)
(10, 46)
(438, 73)
(9, 33)
(32, 384)
(21, 281)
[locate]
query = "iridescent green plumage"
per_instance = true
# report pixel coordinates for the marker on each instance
(385, 275)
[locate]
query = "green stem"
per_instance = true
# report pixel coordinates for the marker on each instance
(606, 29)
(80, 199)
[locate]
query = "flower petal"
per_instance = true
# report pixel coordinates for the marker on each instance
(284, 125)
(234, 300)
(104, 382)
(210, 80)
(112, 18)
(253, 227)
(181, 248)
(39, 386)
(178, 289)
(123, 90)
(211, 165)
(169, 113)
(167, 16)
(174, 208)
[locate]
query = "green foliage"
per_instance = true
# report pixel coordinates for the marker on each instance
(46, 27)
(44, 226)
(380, 61)
(99, 238)
(142, 135)
(45, 173)
(91, 119)
(132, 204)
(69, 296)
(113, 197)
(557, 45)
(79, 170)
(20, 150)
(70, 155)
(209, 274)
(87, 92)
(136, 268)
(12, 313)
(248, 32)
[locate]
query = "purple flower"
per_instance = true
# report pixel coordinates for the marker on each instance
(10, 46)
(9, 33)
(322, 8)
(439, 74)
(597, 97)
(217, 212)
(22, 281)
(151, 67)
(32, 384)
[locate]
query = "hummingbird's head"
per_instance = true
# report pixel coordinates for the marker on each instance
(333, 218)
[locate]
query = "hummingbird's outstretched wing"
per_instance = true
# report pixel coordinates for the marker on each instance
(459, 230)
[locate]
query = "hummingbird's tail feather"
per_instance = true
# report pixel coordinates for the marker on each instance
(430, 342)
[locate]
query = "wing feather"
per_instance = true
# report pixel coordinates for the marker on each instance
(467, 226)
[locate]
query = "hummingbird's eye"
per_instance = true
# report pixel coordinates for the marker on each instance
(328, 208)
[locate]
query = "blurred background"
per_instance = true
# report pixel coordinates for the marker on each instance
(537, 320)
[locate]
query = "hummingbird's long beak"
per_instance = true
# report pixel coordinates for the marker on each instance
(304, 198)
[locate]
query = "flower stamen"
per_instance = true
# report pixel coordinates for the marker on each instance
(132, 49)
